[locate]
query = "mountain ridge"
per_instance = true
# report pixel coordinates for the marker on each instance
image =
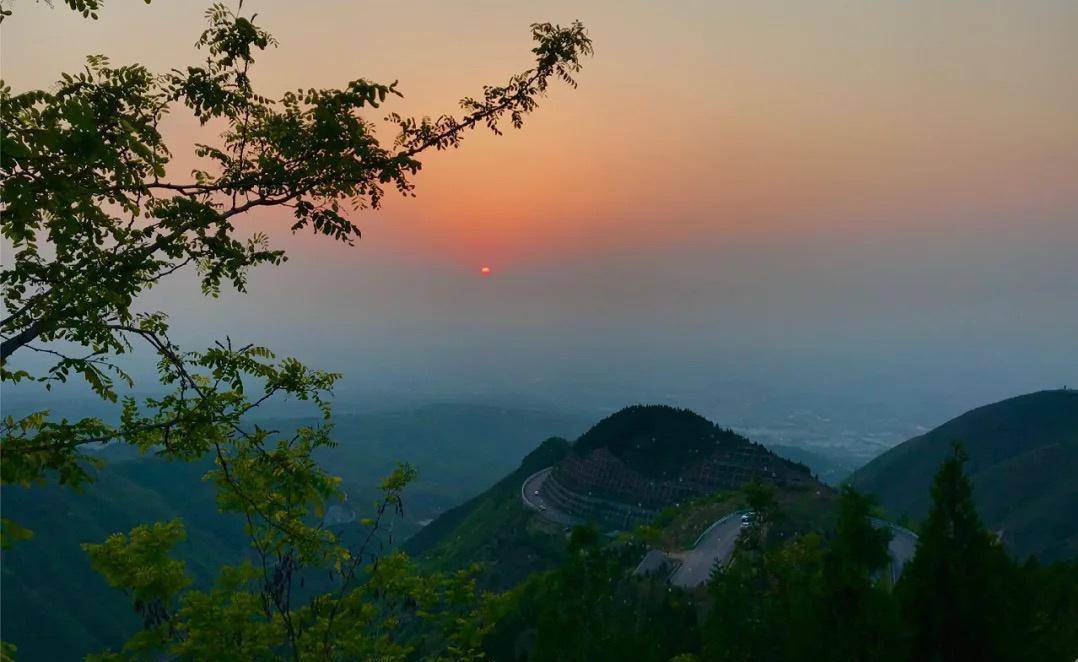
(1023, 456)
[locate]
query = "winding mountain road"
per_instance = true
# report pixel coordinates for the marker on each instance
(531, 495)
(902, 546)
(715, 545)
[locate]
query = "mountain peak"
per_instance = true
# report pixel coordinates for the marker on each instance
(657, 441)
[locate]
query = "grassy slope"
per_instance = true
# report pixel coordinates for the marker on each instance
(1023, 460)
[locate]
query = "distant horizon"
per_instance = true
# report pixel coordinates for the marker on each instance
(363, 330)
(846, 205)
(833, 427)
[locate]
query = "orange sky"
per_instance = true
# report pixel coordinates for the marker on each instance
(870, 193)
(696, 122)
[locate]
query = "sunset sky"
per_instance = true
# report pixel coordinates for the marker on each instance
(811, 193)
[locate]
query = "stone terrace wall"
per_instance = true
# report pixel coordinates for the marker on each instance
(619, 515)
(600, 486)
(603, 475)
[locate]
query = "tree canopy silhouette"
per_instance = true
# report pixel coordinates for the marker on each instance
(95, 218)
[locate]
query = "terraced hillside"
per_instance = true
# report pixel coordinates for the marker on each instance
(664, 455)
(642, 459)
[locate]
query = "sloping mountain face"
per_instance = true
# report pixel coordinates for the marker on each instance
(1023, 459)
(656, 441)
(636, 461)
(55, 607)
(496, 530)
(645, 458)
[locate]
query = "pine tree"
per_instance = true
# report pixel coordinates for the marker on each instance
(959, 592)
(859, 616)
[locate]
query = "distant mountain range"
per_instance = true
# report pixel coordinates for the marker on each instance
(1023, 458)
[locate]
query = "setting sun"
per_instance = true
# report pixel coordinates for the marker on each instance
(785, 294)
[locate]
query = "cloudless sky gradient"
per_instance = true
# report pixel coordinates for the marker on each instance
(828, 197)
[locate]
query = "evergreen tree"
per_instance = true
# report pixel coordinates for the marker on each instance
(765, 605)
(766, 600)
(859, 617)
(592, 609)
(1052, 602)
(959, 594)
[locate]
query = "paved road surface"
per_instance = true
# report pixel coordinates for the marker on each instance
(531, 495)
(902, 546)
(715, 545)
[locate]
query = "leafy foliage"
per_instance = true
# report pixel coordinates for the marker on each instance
(88, 8)
(828, 598)
(93, 223)
(139, 563)
(94, 220)
(860, 621)
(456, 449)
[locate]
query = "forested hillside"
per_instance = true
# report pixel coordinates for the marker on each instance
(495, 529)
(800, 592)
(57, 608)
(1023, 461)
